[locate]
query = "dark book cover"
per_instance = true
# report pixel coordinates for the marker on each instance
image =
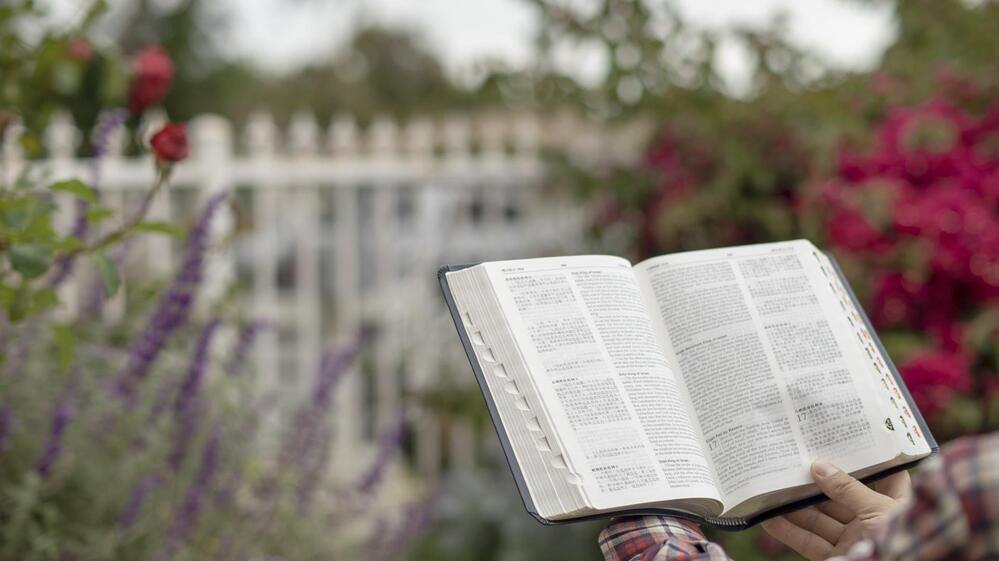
(720, 523)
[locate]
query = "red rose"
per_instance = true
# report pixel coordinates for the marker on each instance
(152, 73)
(170, 143)
(935, 377)
(79, 49)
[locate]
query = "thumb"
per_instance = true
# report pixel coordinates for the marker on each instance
(844, 489)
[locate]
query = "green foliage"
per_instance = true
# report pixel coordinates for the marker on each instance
(108, 271)
(77, 188)
(108, 453)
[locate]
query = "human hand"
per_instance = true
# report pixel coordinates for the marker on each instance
(851, 514)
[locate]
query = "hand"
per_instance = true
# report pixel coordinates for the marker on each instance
(853, 512)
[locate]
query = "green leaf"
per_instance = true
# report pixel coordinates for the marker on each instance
(30, 143)
(66, 77)
(7, 294)
(23, 180)
(18, 304)
(17, 214)
(31, 260)
(160, 228)
(65, 341)
(95, 10)
(98, 213)
(108, 271)
(43, 299)
(77, 188)
(69, 243)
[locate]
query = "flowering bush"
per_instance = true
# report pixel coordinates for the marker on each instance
(139, 439)
(912, 214)
(919, 211)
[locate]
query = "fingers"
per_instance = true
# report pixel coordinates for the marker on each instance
(897, 486)
(842, 488)
(836, 511)
(804, 542)
(818, 523)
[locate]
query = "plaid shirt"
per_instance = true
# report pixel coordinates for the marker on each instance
(954, 515)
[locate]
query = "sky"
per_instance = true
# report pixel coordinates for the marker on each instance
(281, 35)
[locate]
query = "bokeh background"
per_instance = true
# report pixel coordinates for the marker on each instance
(238, 350)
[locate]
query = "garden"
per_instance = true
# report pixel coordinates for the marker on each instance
(143, 433)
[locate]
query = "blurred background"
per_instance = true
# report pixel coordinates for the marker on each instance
(226, 340)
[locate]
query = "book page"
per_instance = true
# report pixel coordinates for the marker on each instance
(591, 346)
(773, 376)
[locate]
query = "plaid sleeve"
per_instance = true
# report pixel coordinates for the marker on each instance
(954, 514)
(657, 538)
(955, 508)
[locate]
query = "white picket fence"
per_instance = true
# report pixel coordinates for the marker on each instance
(343, 227)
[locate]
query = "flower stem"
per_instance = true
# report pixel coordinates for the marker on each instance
(125, 229)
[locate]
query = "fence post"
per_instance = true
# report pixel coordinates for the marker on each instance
(303, 137)
(11, 156)
(346, 262)
(421, 262)
(212, 149)
(389, 296)
(261, 140)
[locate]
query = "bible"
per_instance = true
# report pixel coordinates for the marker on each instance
(700, 384)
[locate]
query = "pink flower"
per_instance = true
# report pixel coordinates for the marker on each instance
(934, 126)
(922, 145)
(940, 302)
(983, 264)
(849, 229)
(853, 167)
(80, 49)
(883, 83)
(953, 85)
(895, 300)
(947, 333)
(935, 377)
(954, 221)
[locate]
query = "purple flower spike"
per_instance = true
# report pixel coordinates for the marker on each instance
(108, 123)
(139, 493)
(332, 367)
(173, 308)
(390, 443)
(64, 412)
(312, 470)
(244, 343)
(187, 514)
(165, 394)
(190, 388)
(306, 428)
(417, 516)
(186, 407)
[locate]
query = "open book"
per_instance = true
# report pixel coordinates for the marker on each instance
(700, 384)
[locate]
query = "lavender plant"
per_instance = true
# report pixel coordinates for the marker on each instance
(119, 440)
